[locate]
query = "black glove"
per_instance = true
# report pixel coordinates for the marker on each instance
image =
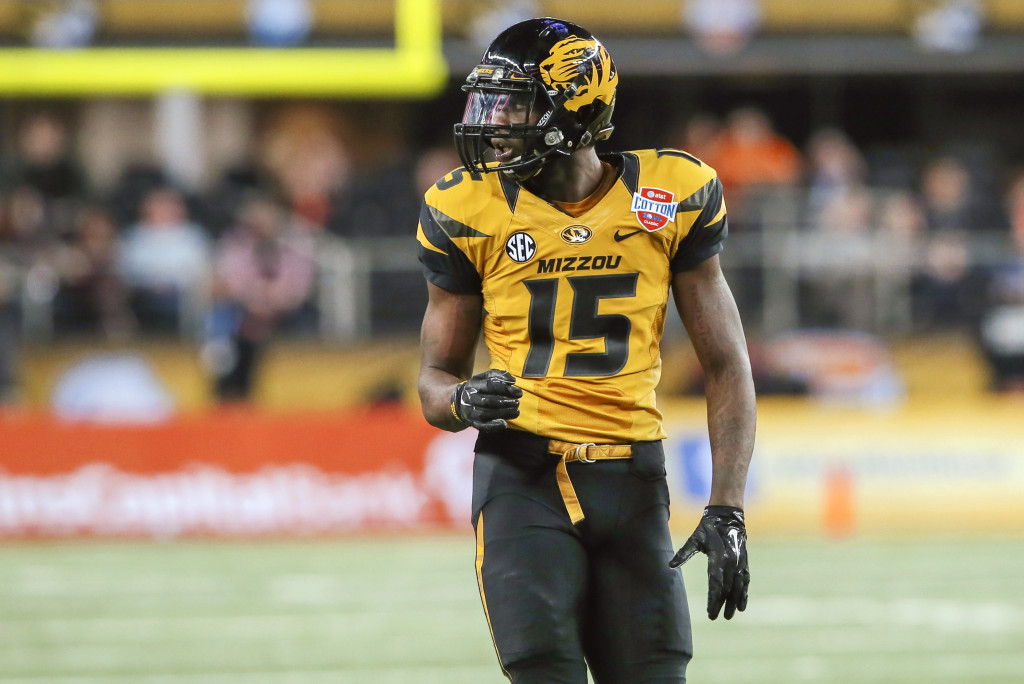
(487, 400)
(722, 535)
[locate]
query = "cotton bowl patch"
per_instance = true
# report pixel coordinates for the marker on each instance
(654, 208)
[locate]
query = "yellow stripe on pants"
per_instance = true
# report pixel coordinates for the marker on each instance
(480, 585)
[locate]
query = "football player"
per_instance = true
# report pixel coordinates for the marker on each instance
(565, 259)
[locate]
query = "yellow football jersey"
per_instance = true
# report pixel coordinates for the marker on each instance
(575, 306)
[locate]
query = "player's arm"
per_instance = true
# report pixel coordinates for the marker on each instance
(712, 321)
(451, 396)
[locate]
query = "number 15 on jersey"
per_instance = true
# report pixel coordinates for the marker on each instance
(584, 323)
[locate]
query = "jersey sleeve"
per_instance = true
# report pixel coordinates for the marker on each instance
(444, 264)
(707, 233)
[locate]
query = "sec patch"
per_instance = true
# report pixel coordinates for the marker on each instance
(520, 247)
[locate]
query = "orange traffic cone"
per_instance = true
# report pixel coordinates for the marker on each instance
(838, 511)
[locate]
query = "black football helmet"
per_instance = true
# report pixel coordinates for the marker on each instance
(547, 82)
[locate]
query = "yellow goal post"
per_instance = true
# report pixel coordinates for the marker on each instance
(414, 67)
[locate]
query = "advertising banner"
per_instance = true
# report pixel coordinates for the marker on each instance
(817, 469)
(937, 467)
(235, 473)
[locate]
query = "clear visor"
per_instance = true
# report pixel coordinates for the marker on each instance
(497, 108)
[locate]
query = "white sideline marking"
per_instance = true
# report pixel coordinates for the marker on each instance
(936, 615)
(217, 627)
(940, 615)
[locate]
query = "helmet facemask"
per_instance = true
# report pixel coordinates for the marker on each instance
(506, 116)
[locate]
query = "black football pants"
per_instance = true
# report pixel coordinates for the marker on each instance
(558, 596)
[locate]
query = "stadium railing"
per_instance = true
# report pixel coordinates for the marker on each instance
(775, 260)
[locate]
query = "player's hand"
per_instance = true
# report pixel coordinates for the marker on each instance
(722, 535)
(487, 401)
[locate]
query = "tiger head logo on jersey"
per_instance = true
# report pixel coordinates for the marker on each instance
(573, 57)
(576, 235)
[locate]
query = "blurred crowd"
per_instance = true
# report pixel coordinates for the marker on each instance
(230, 267)
(945, 234)
(238, 263)
(945, 220)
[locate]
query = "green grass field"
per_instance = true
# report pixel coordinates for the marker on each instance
(400, 610)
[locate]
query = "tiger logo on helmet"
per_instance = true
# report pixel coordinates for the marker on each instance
(574, 56)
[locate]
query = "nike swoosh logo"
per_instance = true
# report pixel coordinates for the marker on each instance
(733, 538)
(619, 237)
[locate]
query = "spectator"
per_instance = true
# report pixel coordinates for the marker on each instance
(901, 217)
(28, 235)
(901, 228)
(751, 155)
(10, 284)
(1001, 329)
(950, 219)
(840, 212)
(699, 135)
(91, 296)
(8, 337)
(27, 231)
(305, 151)
(45, 166)
(135, 182)
(841, 262)
(947, 196)
(834, 167)
(164, 259)
(264, 273)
